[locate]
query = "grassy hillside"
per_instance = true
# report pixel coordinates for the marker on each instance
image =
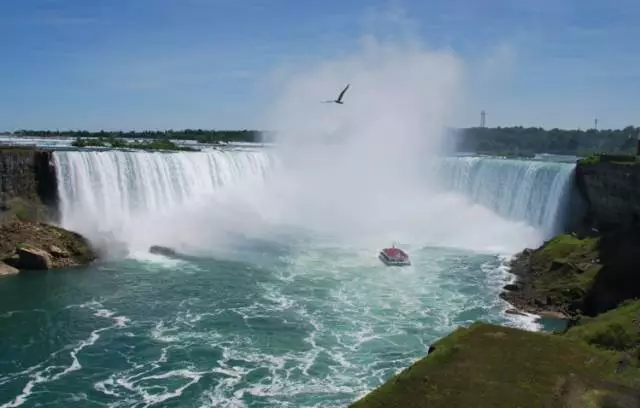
(492, 366)
(617, 329)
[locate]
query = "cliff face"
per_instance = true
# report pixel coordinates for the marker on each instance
(27, 184)
(612, 190)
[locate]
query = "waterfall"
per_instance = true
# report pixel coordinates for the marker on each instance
(146, 198)
(108, 191)
(536, 192)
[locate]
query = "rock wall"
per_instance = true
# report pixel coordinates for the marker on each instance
(28, 184)
(612, 192)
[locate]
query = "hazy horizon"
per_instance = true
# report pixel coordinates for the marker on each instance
(215, 129)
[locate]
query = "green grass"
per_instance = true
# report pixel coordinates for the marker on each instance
(617, 329)
(567, 245)
(493, 366)
(625, 159)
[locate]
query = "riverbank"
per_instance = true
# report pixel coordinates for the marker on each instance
(573, 276)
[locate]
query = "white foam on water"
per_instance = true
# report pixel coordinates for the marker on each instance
(42, 374)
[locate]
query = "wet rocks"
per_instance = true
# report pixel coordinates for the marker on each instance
(162, 250)
(6, 270)
(31, 259)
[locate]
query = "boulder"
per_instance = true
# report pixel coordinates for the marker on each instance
(515, 312)
(511, 287)
(33, 259)
(162, 250)
(40, 246)
(58, 252)
(6, 270)
(553, 314)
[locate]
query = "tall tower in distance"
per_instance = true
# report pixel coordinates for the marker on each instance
(595, 123)
(483, 114)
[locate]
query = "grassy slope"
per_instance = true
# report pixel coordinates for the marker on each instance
(493, 366)
(617, 329)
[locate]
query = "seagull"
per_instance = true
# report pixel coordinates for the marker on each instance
(339, 100)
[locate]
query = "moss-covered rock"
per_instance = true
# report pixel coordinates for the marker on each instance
(555, 277)
(493, 366)
(574, 275)
(35, 246)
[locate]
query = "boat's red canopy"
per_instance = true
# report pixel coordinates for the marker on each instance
(395, 253)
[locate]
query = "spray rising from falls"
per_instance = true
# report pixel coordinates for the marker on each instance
(352, 173)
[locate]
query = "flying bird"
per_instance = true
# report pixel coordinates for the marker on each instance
(339, 100)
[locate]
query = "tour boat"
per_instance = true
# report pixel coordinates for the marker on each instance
(394, 257)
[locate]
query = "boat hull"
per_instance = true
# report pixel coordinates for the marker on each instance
(393, 262)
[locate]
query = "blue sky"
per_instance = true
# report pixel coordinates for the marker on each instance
(131, 64)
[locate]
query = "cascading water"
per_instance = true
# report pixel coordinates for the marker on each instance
(536, 192)
(129, 194)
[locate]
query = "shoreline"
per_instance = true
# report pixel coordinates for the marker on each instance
(574, 275)
(518, 267)
(524, 319)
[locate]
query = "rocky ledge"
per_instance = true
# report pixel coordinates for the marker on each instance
(27, 245)
(570, 276)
